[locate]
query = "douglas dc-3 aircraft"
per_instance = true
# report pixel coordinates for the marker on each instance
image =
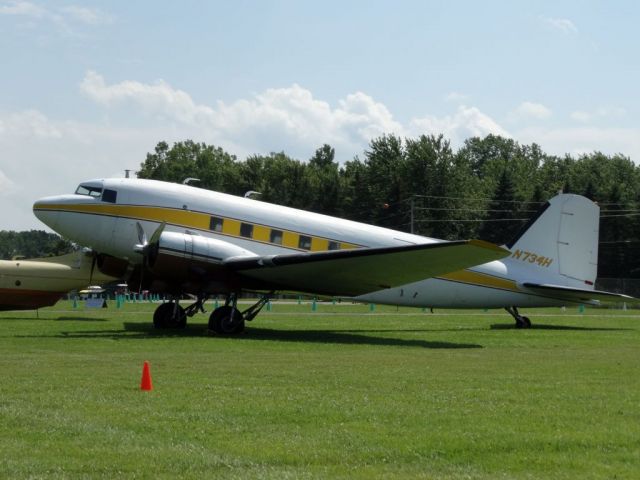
(204, 243)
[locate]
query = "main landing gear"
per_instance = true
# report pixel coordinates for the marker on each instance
(172, 315)
(228, 320)
(225, 320)
(521, 320)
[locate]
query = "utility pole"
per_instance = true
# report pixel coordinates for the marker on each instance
(412, 202)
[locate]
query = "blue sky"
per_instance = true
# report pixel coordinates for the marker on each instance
(88, 88)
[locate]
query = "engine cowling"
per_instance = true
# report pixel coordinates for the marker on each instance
(112, 266)
(179, 257)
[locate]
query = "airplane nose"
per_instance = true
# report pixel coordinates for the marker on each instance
(44, 211)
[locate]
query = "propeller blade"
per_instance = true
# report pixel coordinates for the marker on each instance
(142, 236)
(156, 235)
(94, 260)
(142, 239)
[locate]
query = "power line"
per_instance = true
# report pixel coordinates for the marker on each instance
(487, 199)
(471, 209)
(472, 220)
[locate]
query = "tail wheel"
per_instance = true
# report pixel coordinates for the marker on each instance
(226, 321)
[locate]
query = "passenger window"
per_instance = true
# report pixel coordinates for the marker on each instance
(304, 242)
(246, 230)
(276, 237)
(334, 245)
(109, 196)
(215, 224)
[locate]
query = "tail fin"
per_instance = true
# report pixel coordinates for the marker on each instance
(560, 244)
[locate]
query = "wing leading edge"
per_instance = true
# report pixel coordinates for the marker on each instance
(356, 272)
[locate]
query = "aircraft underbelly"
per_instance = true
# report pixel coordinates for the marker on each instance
(440, 293)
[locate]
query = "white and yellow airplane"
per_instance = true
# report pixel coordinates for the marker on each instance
(206, 243)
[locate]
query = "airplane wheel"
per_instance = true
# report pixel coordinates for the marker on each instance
(527, 322)
(226, 321)
(523, 322)
(163, 316)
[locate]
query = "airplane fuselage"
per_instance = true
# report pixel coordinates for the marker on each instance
(103, 215)
(41, 282)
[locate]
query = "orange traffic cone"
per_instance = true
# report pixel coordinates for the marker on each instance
(145, 384)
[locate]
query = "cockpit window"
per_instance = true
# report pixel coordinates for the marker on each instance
(89, 190)
(109, 196)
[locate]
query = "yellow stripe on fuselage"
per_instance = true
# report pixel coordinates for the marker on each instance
(197, 221)
(481, 280)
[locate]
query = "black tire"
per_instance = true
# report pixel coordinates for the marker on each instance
(163, 316)
(226, 321)
(527, 322)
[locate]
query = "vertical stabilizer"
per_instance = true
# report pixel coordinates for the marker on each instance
(560, 244)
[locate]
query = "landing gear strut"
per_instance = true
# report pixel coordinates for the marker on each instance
(228, 320)
(521, 320)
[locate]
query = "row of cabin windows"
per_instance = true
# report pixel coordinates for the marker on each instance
(275, 236)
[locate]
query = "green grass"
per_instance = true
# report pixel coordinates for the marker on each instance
(341, 392)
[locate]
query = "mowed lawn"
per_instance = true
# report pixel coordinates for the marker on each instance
(341, 392)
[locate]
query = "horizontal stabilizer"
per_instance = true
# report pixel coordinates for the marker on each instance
(578, 295)
(359, 271)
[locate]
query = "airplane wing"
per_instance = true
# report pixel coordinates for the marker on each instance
(579, 295)
(360, 271)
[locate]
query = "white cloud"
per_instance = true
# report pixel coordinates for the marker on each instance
(43, 156)
(40, 156)
(7, 186)
(533, 110)
(563, 25)
(289, 117)
(466, 122)
(27, 9)
(455, 97)
(62, 17)
(602, 112)
(28, 123)
(579, 140)
(158, 98)
(581, 116)
(89, 16)
(268, 121)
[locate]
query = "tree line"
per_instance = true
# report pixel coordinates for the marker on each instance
(485, 189)
(32, 244)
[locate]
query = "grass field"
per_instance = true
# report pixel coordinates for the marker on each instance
(338, 393)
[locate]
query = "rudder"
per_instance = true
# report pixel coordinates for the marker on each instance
(560, 242)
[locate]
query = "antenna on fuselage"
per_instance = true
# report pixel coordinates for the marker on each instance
(249, 193)
(188, 180)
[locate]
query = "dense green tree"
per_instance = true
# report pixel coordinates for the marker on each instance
(384, 160)
(323, 179)
(214, 168)
(500, 225)
(32, 244)
(463, 194)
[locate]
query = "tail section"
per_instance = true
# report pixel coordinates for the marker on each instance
(560, 244)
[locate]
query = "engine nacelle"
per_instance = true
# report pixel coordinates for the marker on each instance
(180, 257)
(112, 266)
